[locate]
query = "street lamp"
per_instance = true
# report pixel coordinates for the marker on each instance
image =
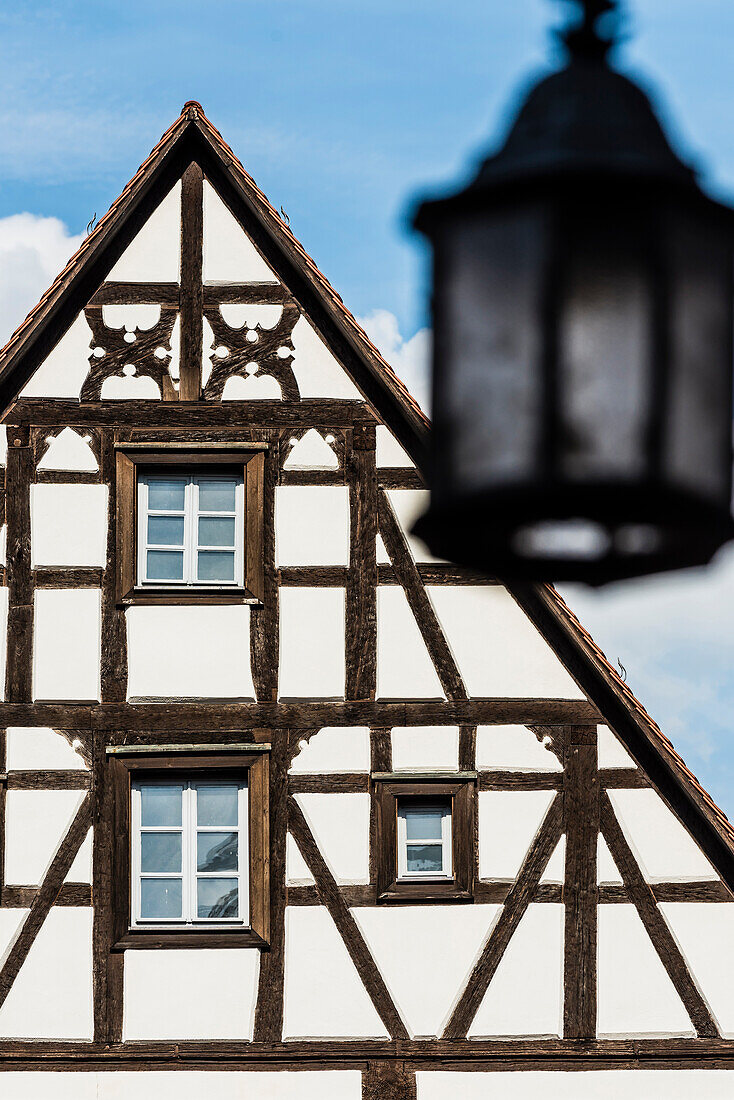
(582, 364)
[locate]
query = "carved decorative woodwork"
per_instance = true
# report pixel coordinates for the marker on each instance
(252, 350)
(123, 353)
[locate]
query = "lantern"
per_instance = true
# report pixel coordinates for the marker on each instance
(582, 364)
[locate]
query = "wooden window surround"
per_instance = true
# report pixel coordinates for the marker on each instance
(390, 790)
(248, 460)
(250, 762)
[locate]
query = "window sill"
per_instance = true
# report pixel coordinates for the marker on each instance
(189, 596)
(416, 892)
(155, 938)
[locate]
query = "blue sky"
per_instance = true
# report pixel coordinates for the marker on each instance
(344, 111)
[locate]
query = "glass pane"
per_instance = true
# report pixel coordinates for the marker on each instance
(160, 897)
(216, 565)
(216, 531)
(166, 494)
(216, 805)
(425, 857)
(160, 805)
(216, 897)
(423, 824)
(166, 530)
(165, 565)
(217, 496)
(160, 852)
(216, 852)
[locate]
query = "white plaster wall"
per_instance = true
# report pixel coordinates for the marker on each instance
(52, 996)
(81, 867)
(317, 372)
(497, 648)
(255, 387)
(635, 995)
(415, 748)
(663, 848)
(313, 451)
(606, 868)
(3, 445)
(334, 749)
(237, 1085)
(69, 524)
(611, 753)
(425, 955)
(555, 868)
(66, 641)
(634, 1084)
(190, 994)
(10, 925)
(513, 748)
(389, 451)
(312, 525)
(323, 995)
(190, 652)
(311, 643)
(154, 253)
(340, 824)
(36, 823)
(229, 254)
(31, 747)
(69, 451)
(705, 935)
(408, 505)
(508, 824)
(404, 668)
(62, 372)
(132, 387)
(296, 868)
(525, 996)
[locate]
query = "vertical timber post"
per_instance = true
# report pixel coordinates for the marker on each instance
(192, 291)
(581, 803)
(18, 572)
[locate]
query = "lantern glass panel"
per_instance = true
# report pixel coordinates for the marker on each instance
(488, 386)
(604, 357)
(698, 430)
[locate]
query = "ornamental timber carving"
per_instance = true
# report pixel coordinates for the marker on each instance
(252, 350)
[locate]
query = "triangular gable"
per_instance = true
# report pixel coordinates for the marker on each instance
(192, 138)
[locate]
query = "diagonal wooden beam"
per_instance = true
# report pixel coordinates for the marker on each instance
(354, 942)
(46, 896)
(518, 899)
(408, 576)
(641, 893)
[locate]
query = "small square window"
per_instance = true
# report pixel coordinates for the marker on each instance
(191, 855)
(424, 838)
(189, 525)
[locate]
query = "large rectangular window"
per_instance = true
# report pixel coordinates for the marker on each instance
(189, 852)
(191, 529)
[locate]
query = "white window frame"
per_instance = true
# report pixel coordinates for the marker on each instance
(190, 516)
(405, 805)
(189, 828)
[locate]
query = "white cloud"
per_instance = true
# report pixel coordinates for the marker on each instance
(410, 359)
(33, 250)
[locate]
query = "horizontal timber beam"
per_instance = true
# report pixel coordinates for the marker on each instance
(459, 1055)
(190, 414)
(167, 714)
(335, 576)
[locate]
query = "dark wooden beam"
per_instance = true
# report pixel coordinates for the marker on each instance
(269, 1007)
(325, 412)
(581, 826)
(192, 301)
(126, 294)
(361, 595)
(18, 572)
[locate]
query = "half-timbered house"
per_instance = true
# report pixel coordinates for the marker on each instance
(290, 809)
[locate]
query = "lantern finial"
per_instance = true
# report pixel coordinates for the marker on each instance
(592, 38)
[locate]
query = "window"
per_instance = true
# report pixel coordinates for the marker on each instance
(191, 849)
(424, 837)
(189, 523)
(191, 529)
